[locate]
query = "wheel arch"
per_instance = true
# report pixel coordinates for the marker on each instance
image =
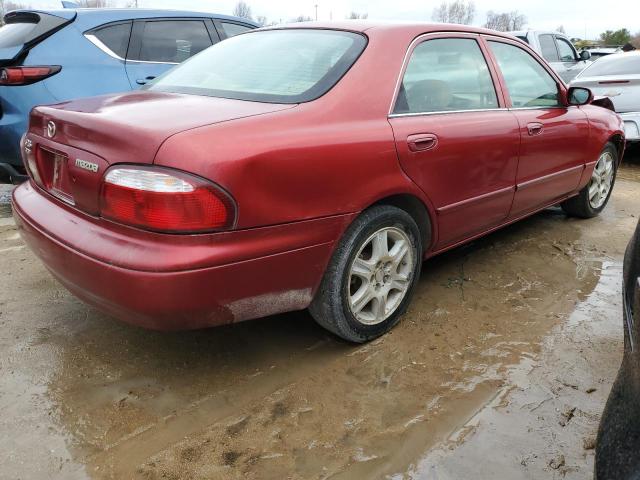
(618, 141)
(418, 211)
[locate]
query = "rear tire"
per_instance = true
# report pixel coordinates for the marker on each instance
(371, 276)
(595, 195)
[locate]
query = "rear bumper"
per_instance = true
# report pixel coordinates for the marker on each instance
(163, 293)
(631, 126)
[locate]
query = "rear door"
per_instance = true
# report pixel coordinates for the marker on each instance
(159, 44)
(554, 137)
(453, 135)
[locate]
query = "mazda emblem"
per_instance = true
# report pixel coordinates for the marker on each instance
(51, 129)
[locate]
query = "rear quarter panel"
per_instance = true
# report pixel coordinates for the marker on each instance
(295, 166)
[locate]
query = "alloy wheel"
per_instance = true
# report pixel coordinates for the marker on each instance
(601, 181)
(380, 275)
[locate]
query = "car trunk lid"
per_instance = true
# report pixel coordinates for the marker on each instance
(73, 143)
(624, 91)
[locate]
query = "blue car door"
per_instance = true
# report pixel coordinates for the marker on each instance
(159, 44)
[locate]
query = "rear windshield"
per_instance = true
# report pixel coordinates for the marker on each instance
(279, 66)
(28, 28)
(17, 34)
(625, 64)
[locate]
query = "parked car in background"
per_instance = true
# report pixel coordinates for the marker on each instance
(558, 50)
(597, 52)
(617, 76)
(283, 184)
(618, 440)
(52, 56)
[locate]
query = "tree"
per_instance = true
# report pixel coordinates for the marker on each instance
(94, 3)
(356, 16)
(618, 37)
(261, 20)
(505, 22)
(635, 40)
(455, 12)
(302, 18)
(132, 4)
(7, 6)
(561, 29)
(242, 10)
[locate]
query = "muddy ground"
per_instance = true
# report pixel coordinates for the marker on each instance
(500, 370)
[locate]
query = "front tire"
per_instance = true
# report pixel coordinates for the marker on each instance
(371, 277)
(595, 195)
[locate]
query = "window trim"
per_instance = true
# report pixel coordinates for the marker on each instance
(562, 90)
(137, 30)
(425, 37)
(91, 36)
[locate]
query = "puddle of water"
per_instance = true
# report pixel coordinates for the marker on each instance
(560, 379)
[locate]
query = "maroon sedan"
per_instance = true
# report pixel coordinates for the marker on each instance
(313, 167)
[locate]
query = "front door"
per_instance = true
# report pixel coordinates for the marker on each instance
(453, 137)
(553, 136)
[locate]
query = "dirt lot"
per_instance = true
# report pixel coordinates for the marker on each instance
(499, 370)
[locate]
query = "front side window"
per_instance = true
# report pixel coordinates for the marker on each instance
(277, 66)
(528, 83)
(446, 74)
(173, 41)
(548, 48)
(566, 51)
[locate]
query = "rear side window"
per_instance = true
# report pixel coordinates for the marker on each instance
(232, 29)
(446, 74)
(173, 41)
(548, 47)
(566, 52)
(115, 37)
(621, 64)
(528, 83)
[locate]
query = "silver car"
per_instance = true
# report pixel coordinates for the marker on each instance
(617, 76)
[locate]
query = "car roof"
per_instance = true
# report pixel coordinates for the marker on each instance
(93, 17)
(371, 26)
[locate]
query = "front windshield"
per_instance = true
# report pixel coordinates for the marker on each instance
(280, 66)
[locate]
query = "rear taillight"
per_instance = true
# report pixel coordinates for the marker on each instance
(29, 155)
(16, 76)
(165, 200)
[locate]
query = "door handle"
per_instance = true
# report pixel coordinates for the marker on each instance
(144, 81)
(422, 141)
(535, 128)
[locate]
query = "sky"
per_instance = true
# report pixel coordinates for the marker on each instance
(584, 19)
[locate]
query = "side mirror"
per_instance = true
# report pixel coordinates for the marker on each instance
(585, 55)
(579, 96)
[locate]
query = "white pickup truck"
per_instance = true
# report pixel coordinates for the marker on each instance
(556, 49)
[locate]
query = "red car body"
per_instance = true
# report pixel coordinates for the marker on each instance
(296, 175)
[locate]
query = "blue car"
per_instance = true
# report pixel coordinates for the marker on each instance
(52, 56)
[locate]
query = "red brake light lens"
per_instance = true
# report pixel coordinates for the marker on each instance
(16, 76)
(165, 200)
